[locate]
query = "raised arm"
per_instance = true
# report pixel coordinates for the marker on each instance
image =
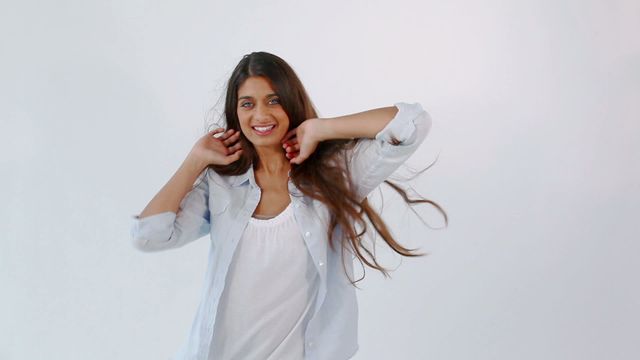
(365, 124)
(387, 137)
(373, 160)
(172, 193)
(179, 212)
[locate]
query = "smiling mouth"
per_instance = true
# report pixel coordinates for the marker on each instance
(263, 130)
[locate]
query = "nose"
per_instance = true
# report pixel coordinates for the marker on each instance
(262, 113)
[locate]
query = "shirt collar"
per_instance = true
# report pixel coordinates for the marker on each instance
(248, 176)
(242, 179)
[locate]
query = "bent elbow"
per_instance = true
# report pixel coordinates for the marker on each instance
(140, 243)
(147, 245)
(152, 233)
(423, 125)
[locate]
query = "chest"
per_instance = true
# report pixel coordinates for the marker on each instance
(274, 196)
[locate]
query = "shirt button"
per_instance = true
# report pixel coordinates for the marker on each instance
(310, 343)
(307, 234)
(320, 263)
(297, 205)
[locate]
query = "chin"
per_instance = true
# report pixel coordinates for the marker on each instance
(268, 140)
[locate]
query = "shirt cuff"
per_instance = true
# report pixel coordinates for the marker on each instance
(157, 226)
(401, 127)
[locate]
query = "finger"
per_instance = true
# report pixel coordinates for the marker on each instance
(297, 159)
(289, 134)
(233, 157)
(227, 134)
(290, 142)
(294, 147)
(293, 157)
(235, 148)
(231, 139)
(215, 131)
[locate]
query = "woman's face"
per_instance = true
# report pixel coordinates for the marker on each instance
(263, 121)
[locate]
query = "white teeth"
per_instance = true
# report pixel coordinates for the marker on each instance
(263, 128)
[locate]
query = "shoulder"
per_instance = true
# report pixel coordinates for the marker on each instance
(215, 179)
(226, 182)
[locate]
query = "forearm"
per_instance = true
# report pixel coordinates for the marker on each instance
(172, 193)
(365, 124)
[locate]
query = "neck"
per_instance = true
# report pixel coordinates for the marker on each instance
(272, 161)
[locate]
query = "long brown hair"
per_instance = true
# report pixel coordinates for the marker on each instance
(324, 175)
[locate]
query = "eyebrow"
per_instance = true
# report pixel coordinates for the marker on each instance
(251, 97)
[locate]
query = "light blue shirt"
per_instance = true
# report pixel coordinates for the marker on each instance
(221, 207)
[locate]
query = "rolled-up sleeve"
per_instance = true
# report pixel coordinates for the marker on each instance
(168, 229)
(372, 161)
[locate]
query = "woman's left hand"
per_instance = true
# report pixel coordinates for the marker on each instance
(301, 142)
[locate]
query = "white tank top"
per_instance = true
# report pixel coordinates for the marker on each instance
(269, 293)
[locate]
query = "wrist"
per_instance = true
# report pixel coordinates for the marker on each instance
(194, 163)
(333, 128)
(327, 129)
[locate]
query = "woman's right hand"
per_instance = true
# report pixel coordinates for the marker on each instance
(222, 150)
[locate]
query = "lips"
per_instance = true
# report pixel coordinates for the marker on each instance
(263, 129)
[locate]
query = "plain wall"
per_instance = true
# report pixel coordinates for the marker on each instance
(536, 134)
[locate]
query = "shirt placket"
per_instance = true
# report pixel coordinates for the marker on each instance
(220, 277)
(312, 235)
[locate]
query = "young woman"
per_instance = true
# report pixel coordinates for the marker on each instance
(283, 197)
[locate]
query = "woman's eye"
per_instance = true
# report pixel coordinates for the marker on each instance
(277, 101)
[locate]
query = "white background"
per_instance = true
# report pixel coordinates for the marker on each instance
(536, 124)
